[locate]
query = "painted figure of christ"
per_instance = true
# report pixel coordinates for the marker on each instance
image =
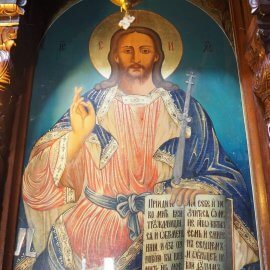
(86, 179)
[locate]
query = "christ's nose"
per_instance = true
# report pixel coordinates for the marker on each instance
(136, 57)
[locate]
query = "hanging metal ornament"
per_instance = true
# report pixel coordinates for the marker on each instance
(125, 6)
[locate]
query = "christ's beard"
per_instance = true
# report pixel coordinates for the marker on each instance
(136, 72)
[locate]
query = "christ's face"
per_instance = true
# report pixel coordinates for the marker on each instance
(136, 55)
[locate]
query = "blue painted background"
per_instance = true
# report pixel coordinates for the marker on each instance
(217, 87)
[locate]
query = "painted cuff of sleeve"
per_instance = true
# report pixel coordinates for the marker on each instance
(195, 184)
(69, 195)
(101, 155)
(107, 153)
(246, 234)
(62, 159)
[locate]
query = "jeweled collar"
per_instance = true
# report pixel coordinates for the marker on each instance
(137, 99)
(115, 92)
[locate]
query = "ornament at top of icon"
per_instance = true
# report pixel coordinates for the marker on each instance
(125, 5)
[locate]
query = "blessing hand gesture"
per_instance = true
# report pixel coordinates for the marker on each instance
(82, 115)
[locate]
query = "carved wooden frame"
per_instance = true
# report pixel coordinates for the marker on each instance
(252, 66)
(10, 13)
(254, 72)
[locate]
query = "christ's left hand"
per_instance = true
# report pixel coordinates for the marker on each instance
(184, 196)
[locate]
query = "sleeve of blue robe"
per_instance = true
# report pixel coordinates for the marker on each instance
(206, 162)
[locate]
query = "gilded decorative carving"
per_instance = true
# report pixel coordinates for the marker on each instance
(8, 34)
(9, 21)
(219, 11)
(10, 10)
(259, 63)
(7, 37)
(257, 55)
(261, 8)
(261, 86)
(7, 41)
(4, 70)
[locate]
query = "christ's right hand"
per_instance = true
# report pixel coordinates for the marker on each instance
(82, 115)
(82, 119)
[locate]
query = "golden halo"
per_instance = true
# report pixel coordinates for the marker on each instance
(99, 45)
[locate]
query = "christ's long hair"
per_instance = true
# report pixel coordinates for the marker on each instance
(158, 80)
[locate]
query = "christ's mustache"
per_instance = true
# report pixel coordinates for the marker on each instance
(136, 66)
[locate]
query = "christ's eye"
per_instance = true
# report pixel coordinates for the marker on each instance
(128, 51)
(145, 51)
